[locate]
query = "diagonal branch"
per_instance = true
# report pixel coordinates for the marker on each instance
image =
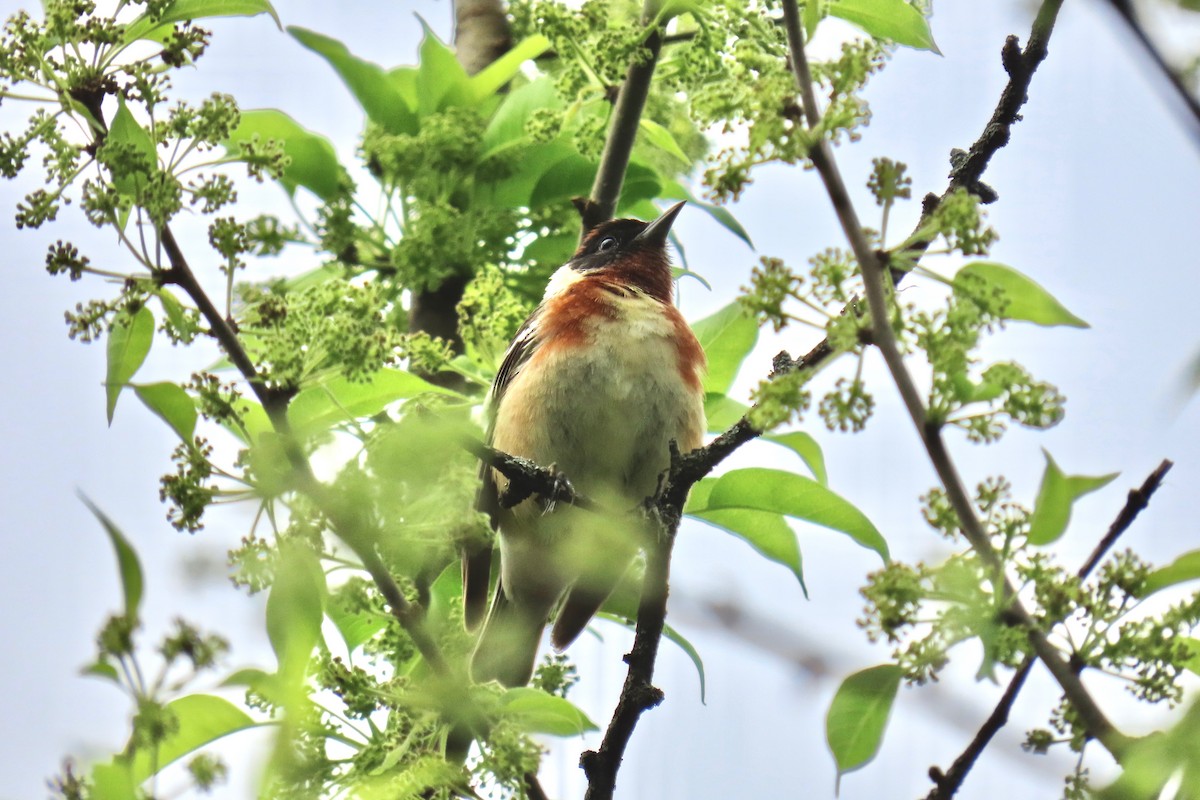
(874, 274)
(949, 782)
(626, 118)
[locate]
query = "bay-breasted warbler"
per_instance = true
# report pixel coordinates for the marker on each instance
(597, 382)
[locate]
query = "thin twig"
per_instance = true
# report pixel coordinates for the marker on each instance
(874, 272)
(949, 782)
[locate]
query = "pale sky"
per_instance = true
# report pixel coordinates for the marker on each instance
(1097, 203)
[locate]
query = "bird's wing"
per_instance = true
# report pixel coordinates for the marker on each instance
(477, 563)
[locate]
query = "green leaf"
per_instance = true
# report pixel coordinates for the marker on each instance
(127, 561)
(507, 125)
(144, 27)
(766, 531)
(537, 711)
(858, 715)
(888, 19)
(1185, 568)
(355, 627)
(807, 448)
(370, 85)
(170, 402)
(125, 129)
(338, 399)
(112, 781)
(722, 411)
(295, 609)
(1052, 511)
(727, 337)
(128, 344)
(441, 81)
(1027, 301)
(812, 17)
(102, 669)
(202, 719)
(314, 164)
(1193, 662)
(494, 76)
(661, 138)
(674, 190)
(780, 492)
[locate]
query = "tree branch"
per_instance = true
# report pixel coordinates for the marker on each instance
(622, 133)
(274, 402)
(874, 273)
(949, 782)
(527, 478)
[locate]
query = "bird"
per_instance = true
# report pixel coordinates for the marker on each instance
(597, 382)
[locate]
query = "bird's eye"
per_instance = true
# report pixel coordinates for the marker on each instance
(608, 243)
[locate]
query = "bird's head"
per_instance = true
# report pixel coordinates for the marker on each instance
(630, 251)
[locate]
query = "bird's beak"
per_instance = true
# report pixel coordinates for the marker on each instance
(656, 232)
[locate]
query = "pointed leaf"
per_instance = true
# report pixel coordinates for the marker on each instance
(125, 129)
(780, 492)
(202, 719)
(494, 76)
(674, 190)
(314, 164)
(183, 10)
(765, 531)
(537, 711)
(1183, 569)
(369, 84)
(888, 19)
(1058, 492)
(858, 715)
(338, 399)
(170, 402)
(442, 81)
(722, 412)
(727, 337)
(355, 626)
(295, 609)
(127, 561)
(807, 448)
(1027, 301)
(661, 138)
(507, 125)
(128, 344)
(812, 17)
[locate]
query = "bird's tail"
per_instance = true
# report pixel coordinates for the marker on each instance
(508, 644)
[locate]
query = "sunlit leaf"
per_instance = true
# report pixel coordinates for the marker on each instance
(442, 81)
(338, 399)
(127, 561)
(661, 138)
(507, 125)
(295, 609)
(128, 344)
(766, 531)
(1184, 568)
(369, 84)
(314, 164)
(202, 719)
(859, 714)
(170, 402)
(491, 78)
(727, 337)
(806, 447)
(888, 19)
(537, 711)
(780, 492)
(1058, 492)
(1027, 301)
(125, 129)
(183, 10)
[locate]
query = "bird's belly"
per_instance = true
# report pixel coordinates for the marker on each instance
(607, 415)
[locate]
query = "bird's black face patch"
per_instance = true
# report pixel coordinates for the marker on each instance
(605, 243)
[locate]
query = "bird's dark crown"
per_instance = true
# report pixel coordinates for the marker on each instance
(610, 241)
